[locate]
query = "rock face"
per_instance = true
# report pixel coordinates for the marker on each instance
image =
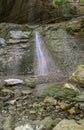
(68, 125)
(16, 56)
(64, 49)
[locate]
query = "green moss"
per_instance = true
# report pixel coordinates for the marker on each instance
(82, 66)
(58, 91)
(53, 91)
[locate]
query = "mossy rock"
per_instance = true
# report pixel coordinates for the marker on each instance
(78, 76)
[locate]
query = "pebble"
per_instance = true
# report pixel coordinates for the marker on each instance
(72, 111)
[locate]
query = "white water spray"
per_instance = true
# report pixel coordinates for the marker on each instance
(42, 68)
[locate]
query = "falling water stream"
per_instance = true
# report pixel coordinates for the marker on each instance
(46, 70)
(42, 66)
(45, 64)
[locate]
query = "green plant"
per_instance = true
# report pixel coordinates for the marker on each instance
(82, 66)
(53, 90)
(70, 30)
(70, 93)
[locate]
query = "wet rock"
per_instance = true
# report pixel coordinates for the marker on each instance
(24, 127)
(50, 100)
(78, 76)
(10, 82)
(2, 42)
(19, 34)
(68, 125)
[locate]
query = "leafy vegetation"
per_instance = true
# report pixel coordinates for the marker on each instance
(70, 93)
(63, 8)
(58, 91)
(70, 30)
(82, 66)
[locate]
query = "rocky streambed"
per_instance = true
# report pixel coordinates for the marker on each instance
(57, 107)
(41, 103)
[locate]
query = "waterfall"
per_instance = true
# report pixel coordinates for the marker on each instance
(41, 54)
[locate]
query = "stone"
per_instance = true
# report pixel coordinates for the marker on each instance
(68, 125)
(31, 82)
(5, 98)
(50, 101)
(7, 91)
(64, 105)
(81, 106)
(19, 34)
(26, 92)
(33, 112)
(11, 82)
(2, 41)
(35, 105)
(71, 86)
(72, 111)
(81, 122)
(15, 41)
(12, 102)
(24, 127)
(81, 96)
(78, 75)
